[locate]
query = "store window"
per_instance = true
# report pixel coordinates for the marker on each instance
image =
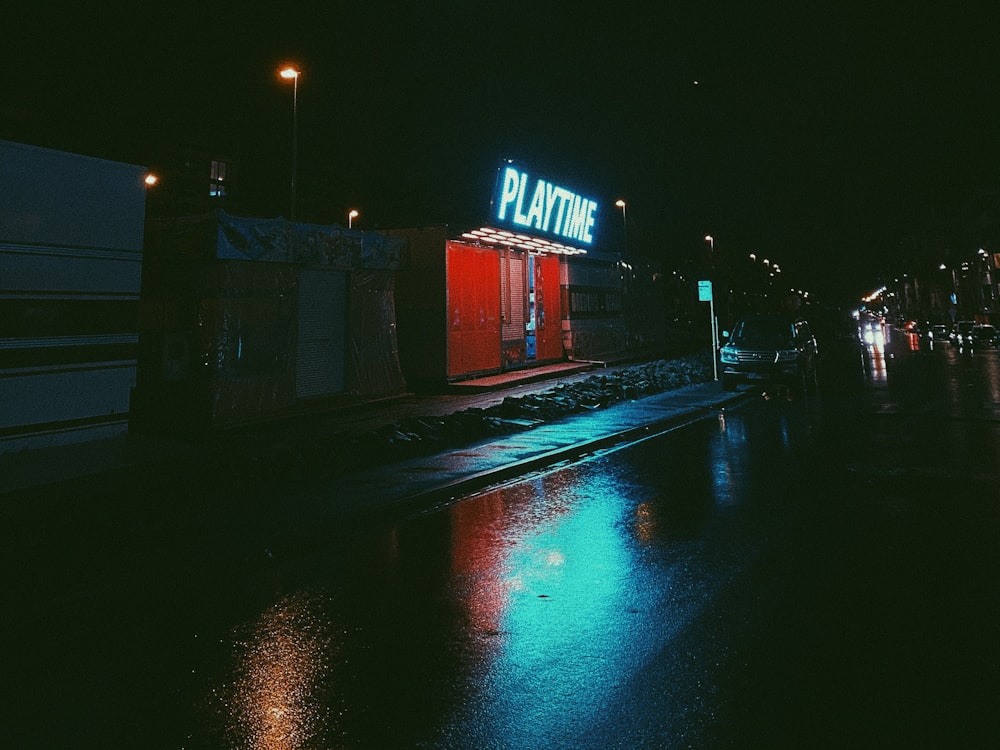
(217, 182)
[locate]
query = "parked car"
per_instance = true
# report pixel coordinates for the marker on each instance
(770, 348)
(984, 335)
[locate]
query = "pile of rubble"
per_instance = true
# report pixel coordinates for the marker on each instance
(415, 436)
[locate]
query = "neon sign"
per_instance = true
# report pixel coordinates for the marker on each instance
(536, 205)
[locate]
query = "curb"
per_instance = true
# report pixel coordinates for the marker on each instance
(439, 496)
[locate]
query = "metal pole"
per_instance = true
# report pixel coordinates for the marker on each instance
(295, 138)
(625, 228)
(715, 337)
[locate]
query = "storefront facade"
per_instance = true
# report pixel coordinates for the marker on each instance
(490, 299)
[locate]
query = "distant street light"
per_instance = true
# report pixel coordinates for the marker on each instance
(351, 217)
(150, 179)
(293, 74)
(711, 242)
(621, 204)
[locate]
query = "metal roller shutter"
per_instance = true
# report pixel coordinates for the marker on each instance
(322, 333)
(512, 280)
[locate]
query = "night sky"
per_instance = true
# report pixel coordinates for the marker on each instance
(816, 137)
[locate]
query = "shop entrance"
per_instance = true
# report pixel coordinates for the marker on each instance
(524, 288)
(532, 330)
(544, 316)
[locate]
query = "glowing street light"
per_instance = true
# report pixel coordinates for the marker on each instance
(150, 179)
(351, 216)
(711, 242)
(293, 74)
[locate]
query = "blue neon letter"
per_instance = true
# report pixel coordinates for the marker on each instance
(588, 229)
(563, 197)
(509, 192)
(519, 217)
(537, 207)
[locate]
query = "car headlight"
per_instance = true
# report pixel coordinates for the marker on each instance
(728, 356)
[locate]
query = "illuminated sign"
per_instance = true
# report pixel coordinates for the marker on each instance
(535, 205)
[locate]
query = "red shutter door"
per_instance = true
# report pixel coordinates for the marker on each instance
(473, 279)
(548, 315)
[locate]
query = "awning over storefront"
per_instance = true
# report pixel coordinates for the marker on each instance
(500, 239)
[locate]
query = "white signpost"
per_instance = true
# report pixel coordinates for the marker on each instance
(705, 295)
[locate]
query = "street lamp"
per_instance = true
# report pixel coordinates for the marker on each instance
(621, 204)
(711, 242)
(293, 74)
(351, 216)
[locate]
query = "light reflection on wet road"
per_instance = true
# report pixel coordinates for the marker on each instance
(803, 572)
(522, 616)
(578, 601)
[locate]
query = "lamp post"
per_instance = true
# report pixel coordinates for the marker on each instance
(293, 74)
(351, 216)
(621, 204)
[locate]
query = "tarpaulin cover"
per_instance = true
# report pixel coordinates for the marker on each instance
(374, 355)
(247, 317)
(241, 238)
(221, 314)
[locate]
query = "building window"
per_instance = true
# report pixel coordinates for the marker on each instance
(217, 183)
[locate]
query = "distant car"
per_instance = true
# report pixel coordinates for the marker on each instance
(962, 334)
(984, 335)
(938, 333)
(872, 333)
(770, 348)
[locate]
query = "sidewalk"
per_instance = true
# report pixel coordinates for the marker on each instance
(437, 479)
(424, 480)
(32, 470)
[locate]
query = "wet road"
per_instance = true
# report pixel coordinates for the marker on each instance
(800, 572)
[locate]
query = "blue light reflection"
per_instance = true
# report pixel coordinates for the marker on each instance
(569, 600)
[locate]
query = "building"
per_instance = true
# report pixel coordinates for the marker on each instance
(71, 230)
(527, 288)
(244, 319)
